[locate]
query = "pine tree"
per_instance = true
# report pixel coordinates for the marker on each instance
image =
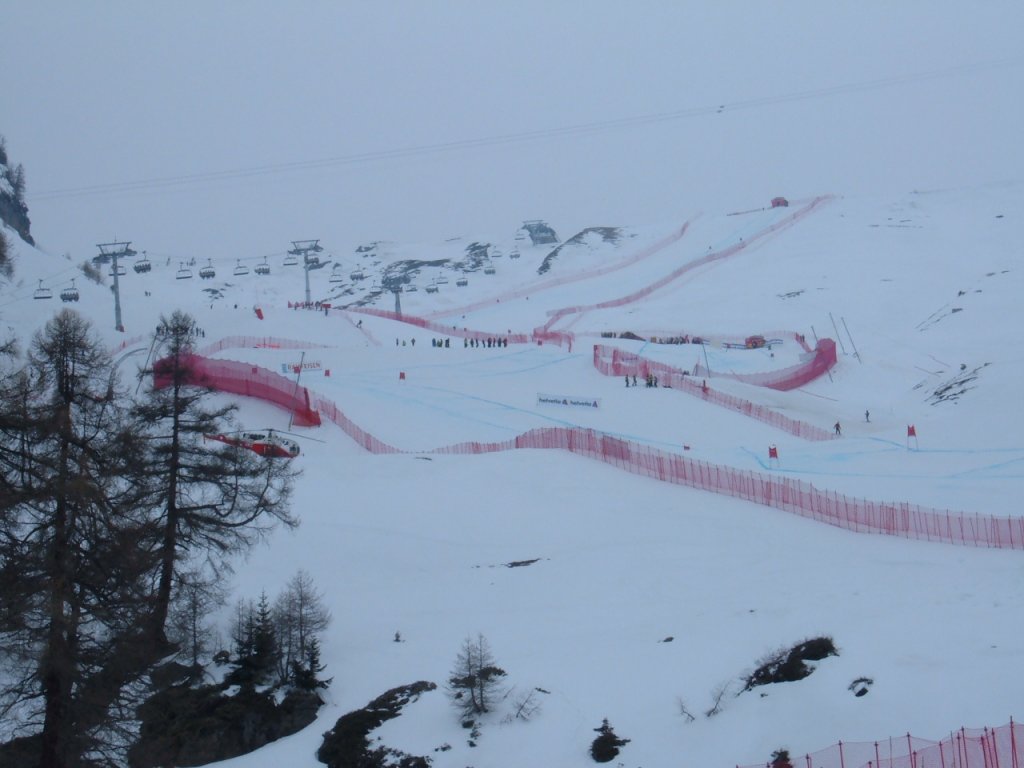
(300, 617)
(204, 499)
(475, 680)
(72, 573)
(306, 673)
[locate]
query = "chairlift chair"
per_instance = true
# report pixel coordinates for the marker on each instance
(357, 275)
(143, 264)
(442, 280)
(514, 253)
(208, 271)
(462, 282)
(291, 260)
(183, 273)
(241, 269)
(42, 292)
(410, 288)
(70, 293)
(121, 270)
(336, 276)
(263, 269)
(489, 270)
(431, 288)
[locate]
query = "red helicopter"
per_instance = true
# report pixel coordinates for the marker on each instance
(265, 443)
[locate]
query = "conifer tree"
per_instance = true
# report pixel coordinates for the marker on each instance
(209, 500)
(72, 572)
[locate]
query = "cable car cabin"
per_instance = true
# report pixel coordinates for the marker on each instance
(142, 265)
(42, 292)
(291, 260)
(241, 269)
(70, 293)
(263, 269)
(121, 271)
(431, 289)
(183, 273)
(208, 271)
(462, 282)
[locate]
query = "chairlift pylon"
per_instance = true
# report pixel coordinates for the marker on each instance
(42, 292)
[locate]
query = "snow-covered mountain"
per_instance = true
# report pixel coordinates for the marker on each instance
(635, 600)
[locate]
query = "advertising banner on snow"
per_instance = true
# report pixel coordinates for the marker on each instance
(584, 402)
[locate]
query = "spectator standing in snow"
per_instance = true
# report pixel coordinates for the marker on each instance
(839, 429)
(867, 416)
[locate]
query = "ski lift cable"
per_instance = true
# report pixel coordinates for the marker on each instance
(545, 133)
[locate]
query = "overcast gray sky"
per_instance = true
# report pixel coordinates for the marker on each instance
(850, 98)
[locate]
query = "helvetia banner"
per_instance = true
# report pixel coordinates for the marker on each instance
(585, 402)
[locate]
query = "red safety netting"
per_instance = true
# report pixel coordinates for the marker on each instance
(967, 748)
(555, 282)
(861, 515)
(249, 342)
(244, 379)
(613, 361)
(643, 293)
(447, 330)
(817, 364)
